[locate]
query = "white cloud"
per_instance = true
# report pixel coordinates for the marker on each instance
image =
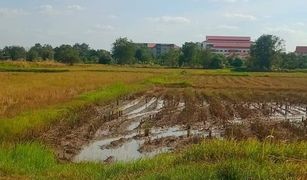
(229, 1)
(113, 16)
(282, 29)
(75, 7)
(6, 12)
(98, 28)
(48, 9)
(104, 27)
(228, 27)
(300, 24)
(241, 16)
(170, 19)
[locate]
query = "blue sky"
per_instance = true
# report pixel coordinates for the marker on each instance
(100, 22)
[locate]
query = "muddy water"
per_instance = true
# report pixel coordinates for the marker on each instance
(122, 140)
(134, 112)
(131, 140)
(291, 113)
(129, 150)
(294, 114)
(126, 152)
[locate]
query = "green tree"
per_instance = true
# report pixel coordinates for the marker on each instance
(190, 55)
(32, 55)
(265, 52)
(34, 52)
(39, 52)
(66, 54)
(205, 58)
(171, 58)
(47, 52)
(217, 61)
(143, 55)
(292, 61)
(15, 52)
(123, 51)
(2, 56)
(236, 62)
(104, 57)
(84, 52)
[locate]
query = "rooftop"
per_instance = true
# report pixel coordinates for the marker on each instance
(228, 38)
(301, 49)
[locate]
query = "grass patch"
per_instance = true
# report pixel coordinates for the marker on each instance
(173, 80)
(14, 128)
(28, 64)
(35, 70)
(240, 160)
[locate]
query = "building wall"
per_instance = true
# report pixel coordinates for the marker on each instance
(301, 50)
(301, 53)
(158, 49)
(228, 45)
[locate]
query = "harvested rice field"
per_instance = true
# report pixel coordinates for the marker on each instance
(104, 122)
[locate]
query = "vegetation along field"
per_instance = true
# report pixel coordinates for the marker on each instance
(123, 122)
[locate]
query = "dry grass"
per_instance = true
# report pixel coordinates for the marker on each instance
(250, 82)
(26, 64)
(27, 91)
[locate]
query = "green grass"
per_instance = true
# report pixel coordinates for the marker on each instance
(13, 128)
(213, 159)
(35, 70)
(171, 80)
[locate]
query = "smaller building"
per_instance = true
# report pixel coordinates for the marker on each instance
(158, 49)
(301, 50)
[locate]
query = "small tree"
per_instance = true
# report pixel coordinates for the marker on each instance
(123, 51)
(265, 51)
(83, 50)
(206, 57)
(32, 55)
(143, 55)
(2, 55)
(47, 52)
(171, 58)
(190, 54)
(104, 57)
(236, 62)
(216, 62)
(15, 52)
(66, 54)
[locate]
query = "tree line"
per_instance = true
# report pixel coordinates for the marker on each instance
(78, 53)
(266, 54)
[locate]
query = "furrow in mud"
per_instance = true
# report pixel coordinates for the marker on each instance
(169, 119)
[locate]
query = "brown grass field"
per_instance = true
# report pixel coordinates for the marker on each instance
(24, 91)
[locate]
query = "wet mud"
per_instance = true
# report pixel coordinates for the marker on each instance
(165, 120)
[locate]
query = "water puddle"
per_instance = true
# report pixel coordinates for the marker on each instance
(128, 150)
(124, 141)
(142, 108)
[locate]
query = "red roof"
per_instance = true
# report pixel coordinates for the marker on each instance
(301, 49)
(228, 38)
(229, 42)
